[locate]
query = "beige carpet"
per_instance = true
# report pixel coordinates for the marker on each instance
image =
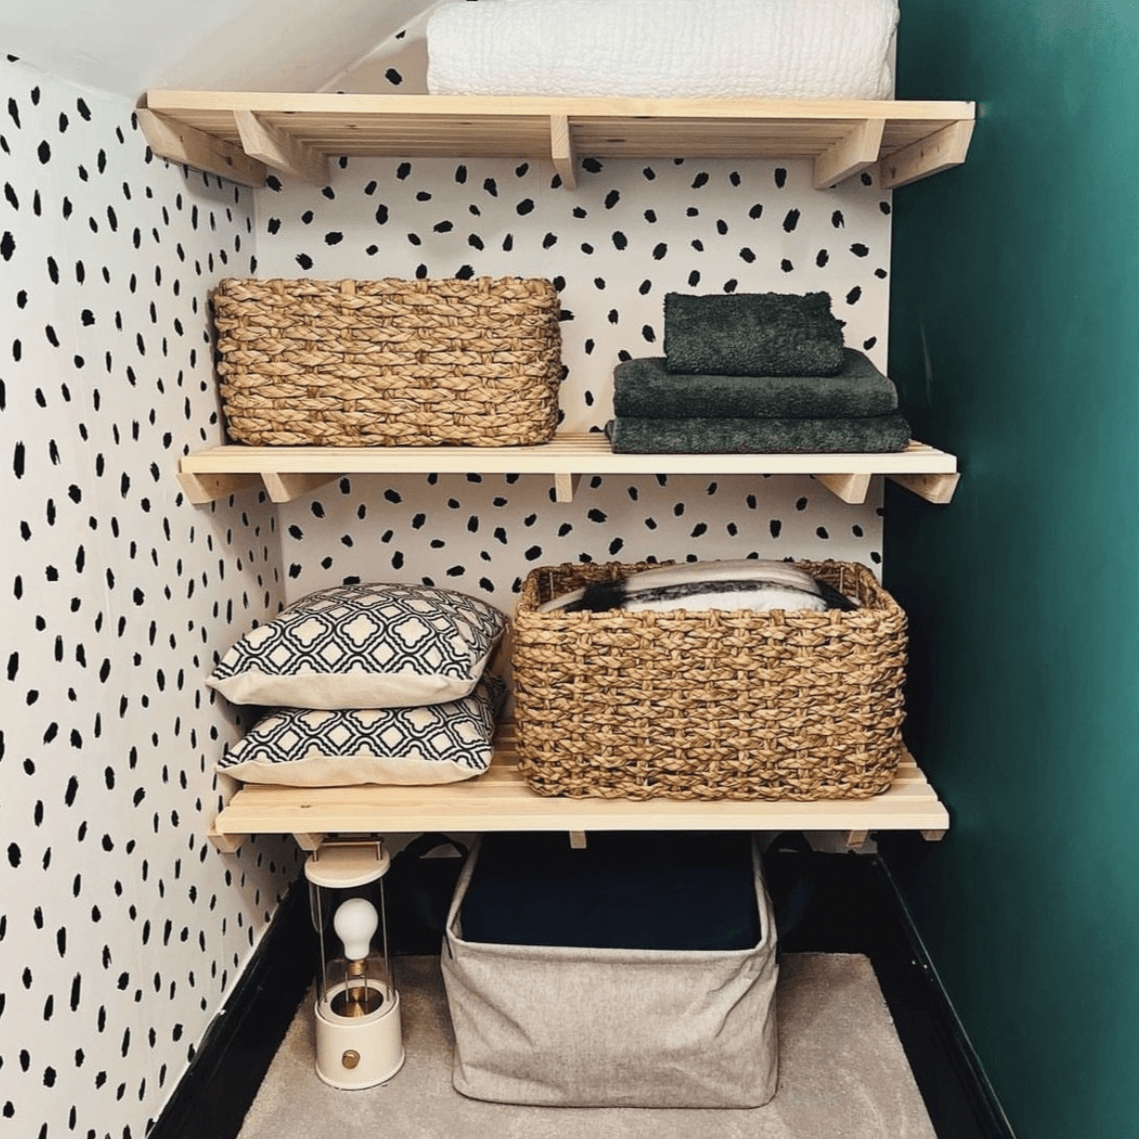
(842, 1075)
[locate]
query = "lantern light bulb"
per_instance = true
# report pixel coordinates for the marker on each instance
(355, 922)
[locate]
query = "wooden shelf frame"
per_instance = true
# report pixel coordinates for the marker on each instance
(499, 800)
(243, 135)
(287, 473)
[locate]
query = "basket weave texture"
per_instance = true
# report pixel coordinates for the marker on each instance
(389, 362)
(724, 704)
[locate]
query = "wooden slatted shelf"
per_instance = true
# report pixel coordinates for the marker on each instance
(288, 472)
(242, 135)
(499, 800)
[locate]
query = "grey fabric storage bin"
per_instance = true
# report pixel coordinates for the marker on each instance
(561, 1026)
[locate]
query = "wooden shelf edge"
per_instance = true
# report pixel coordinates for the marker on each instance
(288, 472)
(203, 487)
(185, 101)
(500, 801)
(241, 134)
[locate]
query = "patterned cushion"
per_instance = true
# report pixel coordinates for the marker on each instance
(432, 743)
(364, 646)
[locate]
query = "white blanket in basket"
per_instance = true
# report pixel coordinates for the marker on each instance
(761, 49)
(730, 584)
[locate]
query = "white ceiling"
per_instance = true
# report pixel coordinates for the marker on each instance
(126, 46)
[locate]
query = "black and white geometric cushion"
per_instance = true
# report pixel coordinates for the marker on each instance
(433, 743)
(364, 646)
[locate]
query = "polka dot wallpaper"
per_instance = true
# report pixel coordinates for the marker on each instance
(121, 928)
(631, 232)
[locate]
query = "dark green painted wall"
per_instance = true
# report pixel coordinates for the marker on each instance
(1015, 343)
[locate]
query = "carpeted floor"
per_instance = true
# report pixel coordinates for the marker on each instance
(842, 1072)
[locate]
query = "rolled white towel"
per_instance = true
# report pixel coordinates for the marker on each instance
(760, 49)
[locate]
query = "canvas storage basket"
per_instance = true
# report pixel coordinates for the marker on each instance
(723, 704)
(575, 1025)
(389, 362)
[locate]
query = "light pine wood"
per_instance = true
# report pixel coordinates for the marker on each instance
(565, 486)
(277, 148)
(209, 487)
(854, 153)
(838, 134)
(941, 151)
(202, 150)
(237, 135)
(285, 486)
(561, 151)
(226, 843)
(499, 800)
(290, 471)
(850, 488)
(308, 841)
(936, 488)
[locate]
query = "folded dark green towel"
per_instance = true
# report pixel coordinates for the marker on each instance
(636, 435)
(646, 387)
(752, 334)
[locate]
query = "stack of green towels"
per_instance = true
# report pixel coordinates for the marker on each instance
(753, 373)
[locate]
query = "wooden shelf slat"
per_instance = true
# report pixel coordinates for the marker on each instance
(239, 134)
(500, 801)
(291, 471)
(844, 136)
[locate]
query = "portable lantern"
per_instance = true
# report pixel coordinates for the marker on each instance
(359, 1042)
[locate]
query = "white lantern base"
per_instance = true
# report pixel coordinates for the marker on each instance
(358, 1052)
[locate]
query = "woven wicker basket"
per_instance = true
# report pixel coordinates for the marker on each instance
(389, 362)
(724, 704)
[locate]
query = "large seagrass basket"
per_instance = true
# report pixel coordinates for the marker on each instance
(723, 704)
(389, 362)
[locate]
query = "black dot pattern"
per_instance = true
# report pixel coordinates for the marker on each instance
(628, 234)
(482, 534)
(121, 928)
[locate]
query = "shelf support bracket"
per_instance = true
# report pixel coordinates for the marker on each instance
(565, 486)
(936, 488)
(226, 843)
(850, 488)
(850, 155)
(276, 148)
(284, 487)
(203, 488)
(192, 147)
(940, 151)
(933, 836)
(308, 842)
(561, 150)
(855, 840)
